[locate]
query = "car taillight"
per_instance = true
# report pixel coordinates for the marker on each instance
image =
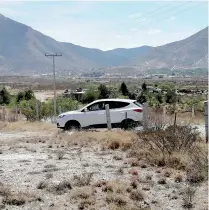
(138, 110)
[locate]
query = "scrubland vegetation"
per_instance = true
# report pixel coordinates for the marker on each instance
(158, 169)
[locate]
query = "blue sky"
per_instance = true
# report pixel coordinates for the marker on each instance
(107, 25)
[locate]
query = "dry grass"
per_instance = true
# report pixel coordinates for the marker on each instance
(60, 188)
(107, 139)
(136, 195)
(82, 180)
(30, 127)
(84, 192)
(16, 198)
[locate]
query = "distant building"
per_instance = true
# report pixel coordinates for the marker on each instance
(74, 94)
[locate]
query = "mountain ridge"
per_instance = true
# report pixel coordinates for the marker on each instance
(22, 51)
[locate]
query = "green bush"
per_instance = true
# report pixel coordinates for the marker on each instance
(28, 109)
(4, 96)
(123, 89)
(25, 95)
(103, 92)
(90, 96)
(46, 109)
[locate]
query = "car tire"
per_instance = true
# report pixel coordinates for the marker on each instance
(72, 125)
(128, 124)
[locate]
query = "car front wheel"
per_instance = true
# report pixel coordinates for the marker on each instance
(72, 125)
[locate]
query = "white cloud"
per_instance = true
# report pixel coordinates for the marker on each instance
(134, 16)
(154, 31)
(172, 18)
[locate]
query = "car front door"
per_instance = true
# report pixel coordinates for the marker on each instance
(94, 116)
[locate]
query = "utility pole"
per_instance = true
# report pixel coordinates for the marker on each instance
(54, 81)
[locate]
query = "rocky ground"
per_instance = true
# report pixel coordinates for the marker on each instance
(40, 171)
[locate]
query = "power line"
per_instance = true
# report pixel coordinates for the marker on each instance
(54, 81)
(182, 11)
(153, 11)
(166, 10)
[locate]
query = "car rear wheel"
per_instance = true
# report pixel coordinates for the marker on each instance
(128, 124)
(72, 125)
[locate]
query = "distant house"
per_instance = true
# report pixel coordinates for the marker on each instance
(74, 94)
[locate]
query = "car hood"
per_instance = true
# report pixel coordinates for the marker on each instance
(71, 112)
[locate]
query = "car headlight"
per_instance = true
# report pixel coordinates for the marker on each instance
(61, 116)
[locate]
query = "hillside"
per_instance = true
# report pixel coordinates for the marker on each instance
(22, 51)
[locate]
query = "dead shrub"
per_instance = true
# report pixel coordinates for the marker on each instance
(178, 178)
(100, 183)
(161, 181)
(149, 177)
(4, 190)
(83, 180)
(120, 171)
(194, 176)
(172, 139)
(60, 154)
(61, 188)
(49, 176)
(133, 172)
(188, 195)
(85, 203)
(19, 198)
(42, 185)
(107, 188)
(114, 145)
(136, 195)
(117, 199)
(166, 147)
(81, 192)
(198, 170)
(167, 174)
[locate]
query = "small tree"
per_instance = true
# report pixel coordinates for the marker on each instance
(124, 89)
(170, 96)
(4, 96)
(103, 91)
(142, 98)
(29, 94)
(159, 98)
(144, 87)
(90, 96)
(26, 95)
(132, 96)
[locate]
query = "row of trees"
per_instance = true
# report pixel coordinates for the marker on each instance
(123, 92)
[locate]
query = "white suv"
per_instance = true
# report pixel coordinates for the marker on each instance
(123, 113)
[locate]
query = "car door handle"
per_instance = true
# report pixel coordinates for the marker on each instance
(122, 112)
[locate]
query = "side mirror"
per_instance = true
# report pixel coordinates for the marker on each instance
(86, 110)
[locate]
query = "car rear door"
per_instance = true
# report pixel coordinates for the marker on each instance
(117, 112)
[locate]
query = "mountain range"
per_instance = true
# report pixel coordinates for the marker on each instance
(22, 51)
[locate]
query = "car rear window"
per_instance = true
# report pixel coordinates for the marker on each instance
(138, 104)
(117, 104)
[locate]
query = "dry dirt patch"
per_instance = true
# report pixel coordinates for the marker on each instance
(92, 172)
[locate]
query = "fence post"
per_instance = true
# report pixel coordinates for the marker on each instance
(126, 121)
(109, 126)
(16, 113)
(193, 111)
(3, 113)
(206, 120)
(37, 110)
(59, 109)
(145, 116)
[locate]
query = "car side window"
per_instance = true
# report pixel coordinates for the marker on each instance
(97, 106)
(117, 104)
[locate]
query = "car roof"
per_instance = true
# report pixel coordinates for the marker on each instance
(116, 99)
